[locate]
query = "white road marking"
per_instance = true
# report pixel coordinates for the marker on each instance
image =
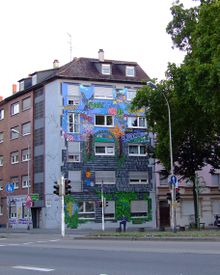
(3, 244)
(33, 268)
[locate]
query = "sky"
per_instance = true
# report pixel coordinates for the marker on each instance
(36, 32)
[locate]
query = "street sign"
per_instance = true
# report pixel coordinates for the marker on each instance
(29, 202)
(35, 197)
(173, 179)
(9, 187)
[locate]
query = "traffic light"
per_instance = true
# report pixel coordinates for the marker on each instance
(106, 203)
(177, 195)
(67, 187)
(100, 203)
(169, 196)
(56, 188)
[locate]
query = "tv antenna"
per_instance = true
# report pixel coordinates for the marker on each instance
(70, 43)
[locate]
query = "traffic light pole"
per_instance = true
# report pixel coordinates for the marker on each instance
(102, 198)
(62, 186)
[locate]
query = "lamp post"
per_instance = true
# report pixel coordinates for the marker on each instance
(173, 187)
(28, 176)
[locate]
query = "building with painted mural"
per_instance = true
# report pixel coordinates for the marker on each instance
(81, 127)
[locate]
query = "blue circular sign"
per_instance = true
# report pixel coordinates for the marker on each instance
(9, 187)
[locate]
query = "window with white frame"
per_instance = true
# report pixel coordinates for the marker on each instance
(14, 132)
(1, 137)
(25, 211)
(12, 210)
(24, 181)
(73, 95)
(105, 177)
(106, 120)
(15, 182)
(109, 212)
(73, 123)
(138, 177)
(106, 69)
(15, 108)
(74, 151)
(86, 210)
(137, 122)
(137, 150)
(107, 149)
(2, 113)
(26, 128)
(103, 92)
(25, 155)
(130, 71)
(139, 209)
(14, 157)
(26, 103)
(131, 93)
(1, 160)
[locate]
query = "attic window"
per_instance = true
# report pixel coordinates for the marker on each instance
(130, 71)
(34, 79)
(106, 69)
(21, 86)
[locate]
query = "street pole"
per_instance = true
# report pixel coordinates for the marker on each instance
(102, 198)
(28, 225)
(62, 206)
(173, 187)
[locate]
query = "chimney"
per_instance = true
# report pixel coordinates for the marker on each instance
(56, 64)
(14, 88)
(101, 55)
(1, 98)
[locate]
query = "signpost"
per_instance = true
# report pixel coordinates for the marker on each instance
(9, 188)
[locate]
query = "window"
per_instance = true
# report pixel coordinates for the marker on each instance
(106, 69)
(2, 114)
(86, 210)
(34, 79)
(1, 209)
(1, 160)
(215, 207)
(138, 177)
(26, 103)
(215, 180)
(76, 180)
(26, 128)
(139, 209)
(1, 137)
(104, 121)
(1, 185)
(25, 155)
(137, 122)
(104, 149)
(24, 181)
(130, 71)
(73, 123)
(14, 108)
(14, 132)
(12, 210)
(14, 157)
(15, 182)
(103, 92)
(74, 151)
(73, 95)
(105, 177)
(25, 211)
(163, 179)
(131, 93)
(137, 150)
(21, 86)
(109, 210)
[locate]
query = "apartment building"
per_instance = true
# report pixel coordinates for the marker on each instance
(80, 127)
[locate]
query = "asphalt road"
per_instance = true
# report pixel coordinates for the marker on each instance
(39, 254)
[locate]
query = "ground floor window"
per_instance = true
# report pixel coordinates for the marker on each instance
(12, 211)
(109, 212)
(86, 210)
(139, 209)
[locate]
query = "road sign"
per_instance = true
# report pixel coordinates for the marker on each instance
(9, 187)
(29, 202)
(173, 179)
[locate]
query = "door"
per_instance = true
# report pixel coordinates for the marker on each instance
(164, 213)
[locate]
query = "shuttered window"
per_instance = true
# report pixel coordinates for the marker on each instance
(139, 208)
(103, 92)
(73, 95)
(74, 151)
(107, 177)
(138, 177)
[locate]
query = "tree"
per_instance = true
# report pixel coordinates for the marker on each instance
(192, 90)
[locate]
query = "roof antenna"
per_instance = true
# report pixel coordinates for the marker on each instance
(70, 43)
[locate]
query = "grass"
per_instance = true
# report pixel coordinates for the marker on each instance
(214, 233)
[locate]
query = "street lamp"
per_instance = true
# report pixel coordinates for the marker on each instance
(28, 179)
(173, 189)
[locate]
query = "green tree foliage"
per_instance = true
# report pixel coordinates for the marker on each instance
(193, 93)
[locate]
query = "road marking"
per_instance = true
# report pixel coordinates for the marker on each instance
(33, 268)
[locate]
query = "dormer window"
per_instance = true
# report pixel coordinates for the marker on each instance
(34, 79)
(106, 69)
(21, 86)
(130, 71)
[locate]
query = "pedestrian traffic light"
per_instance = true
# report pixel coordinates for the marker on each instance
(169, 196)
(56, 188)
(67, 187)
(177, 195)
